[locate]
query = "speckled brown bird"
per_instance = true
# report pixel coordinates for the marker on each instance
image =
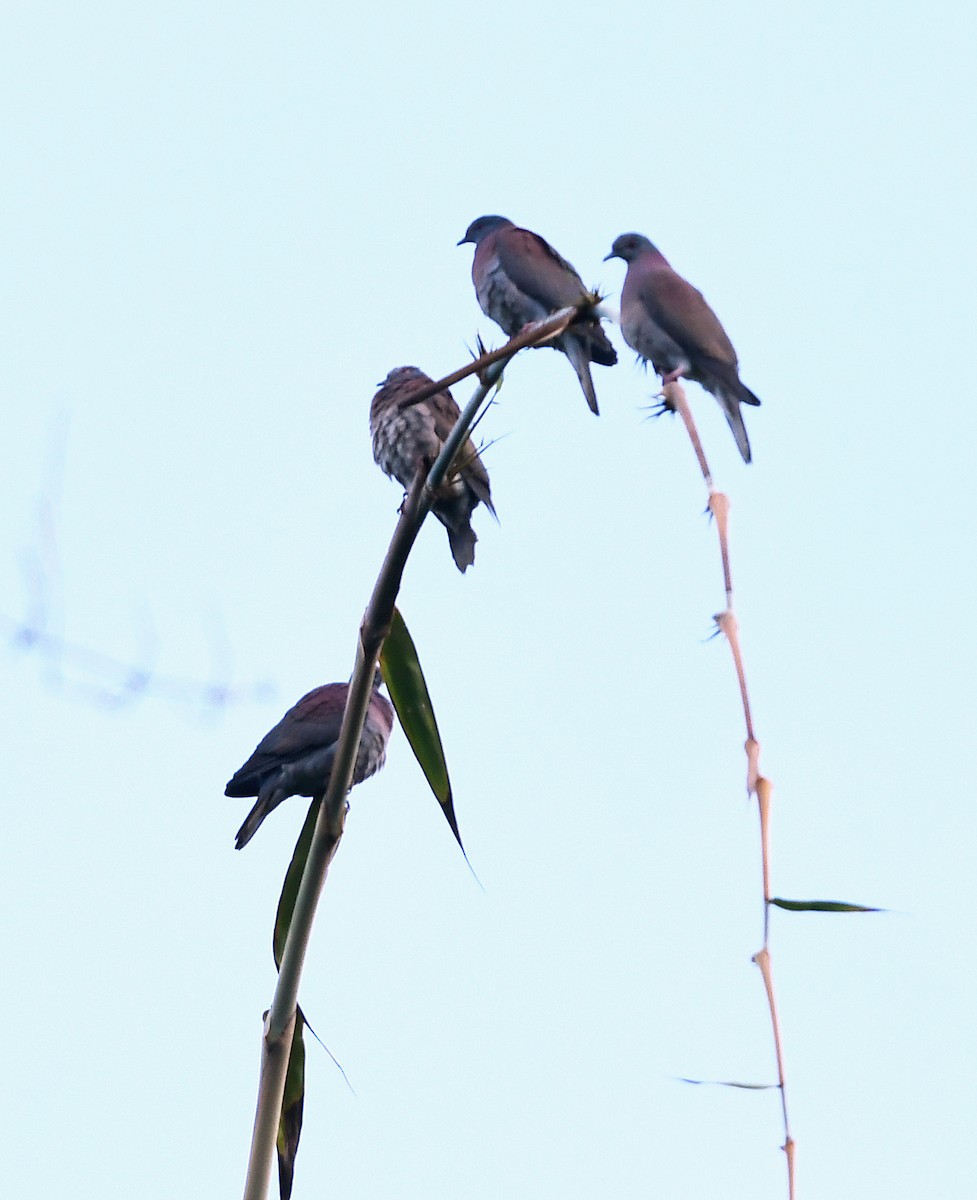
(408, 436)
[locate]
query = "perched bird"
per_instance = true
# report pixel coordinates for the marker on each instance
(407, 437)
(520, 278)
(295, 758)
(668, 322)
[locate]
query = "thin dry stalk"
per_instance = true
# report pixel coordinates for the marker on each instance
(536, 334)
(762, 960)
(675, 400)
(756, 783)
(764, 794)
(374, 627)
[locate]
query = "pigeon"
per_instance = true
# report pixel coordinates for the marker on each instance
(295, 758)
(668, 322)
(520, 278)
(408, 437)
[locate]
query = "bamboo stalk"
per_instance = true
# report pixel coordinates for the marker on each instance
(329, 825)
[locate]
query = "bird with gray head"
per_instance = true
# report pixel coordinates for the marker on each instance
(668, 322)
(296, 757)
(520, 278)
(408, 436)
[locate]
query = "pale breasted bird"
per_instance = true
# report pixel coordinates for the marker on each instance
(296, 757)
(668, 322)
(408, 437)
(520, 278)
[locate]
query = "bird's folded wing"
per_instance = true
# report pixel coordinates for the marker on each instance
(536, 269)
(683, 313)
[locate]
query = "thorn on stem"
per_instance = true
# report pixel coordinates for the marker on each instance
(658, 410)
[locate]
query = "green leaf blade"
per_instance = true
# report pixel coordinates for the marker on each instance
(293, 1101)
(293, 877)
(404, 678)
(834, 906)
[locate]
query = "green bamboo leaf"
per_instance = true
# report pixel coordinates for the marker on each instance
(405, 682)
(293, 877)
(821, 906)
(290, 1123)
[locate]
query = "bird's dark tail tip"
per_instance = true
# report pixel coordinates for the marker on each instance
(250, 826)
(462, 542)
(577, 354)
(735, 418)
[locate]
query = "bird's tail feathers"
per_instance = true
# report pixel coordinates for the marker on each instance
(599, 345)
(251, 823)
(270, 796)
(576, 352)
(727, 377)
(731, 408)
(462, 541)
(600, 348)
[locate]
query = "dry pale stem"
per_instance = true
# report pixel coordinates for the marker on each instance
(752, 748)
(675, 399)
(789, 1151)
(719, 507)
(756, 783)
(764, 793)
(730, 627)
(538, 333)
(762, 960)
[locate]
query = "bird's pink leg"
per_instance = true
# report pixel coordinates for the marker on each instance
(671, 377)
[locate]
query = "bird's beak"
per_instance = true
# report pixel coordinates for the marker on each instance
(608, 257)
(464, 241)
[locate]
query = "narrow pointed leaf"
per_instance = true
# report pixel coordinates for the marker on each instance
(293, 877)
(290, 1123)
(405, 682)
(730, 1083)
(821, 906)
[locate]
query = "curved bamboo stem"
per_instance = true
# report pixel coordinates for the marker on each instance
(276, 1038)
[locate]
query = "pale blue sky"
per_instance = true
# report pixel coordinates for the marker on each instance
(221, 228)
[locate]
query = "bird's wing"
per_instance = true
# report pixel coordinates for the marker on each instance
(445, 412)
(313, 722)
(536, 269)
(683, 313)
(475, 475)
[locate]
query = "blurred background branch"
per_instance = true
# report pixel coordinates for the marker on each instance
(94, 676)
